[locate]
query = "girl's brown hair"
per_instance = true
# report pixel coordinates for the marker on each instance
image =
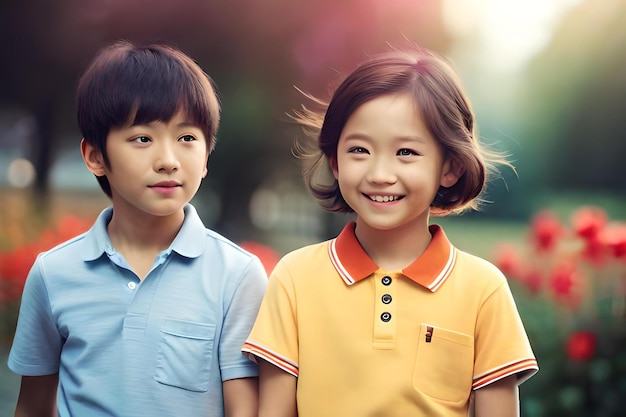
(443, 104)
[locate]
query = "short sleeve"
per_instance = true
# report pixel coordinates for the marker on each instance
(274, 336)
(37, 344)
(240, 315)
(502, 347)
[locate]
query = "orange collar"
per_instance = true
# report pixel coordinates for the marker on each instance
(430, 270)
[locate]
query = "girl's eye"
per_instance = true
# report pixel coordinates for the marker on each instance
(141, 139)
(406, 152)
(357, 149)
(187, 138)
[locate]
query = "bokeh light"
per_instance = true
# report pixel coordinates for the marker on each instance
(21, 173)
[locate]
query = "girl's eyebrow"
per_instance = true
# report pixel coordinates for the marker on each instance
(401, 138)
(412, 138)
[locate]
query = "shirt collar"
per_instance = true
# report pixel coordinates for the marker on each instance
(430, 270)
(189, 241)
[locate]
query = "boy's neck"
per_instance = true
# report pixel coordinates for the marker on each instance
(395, 249)
(139, 239)
(149, 234)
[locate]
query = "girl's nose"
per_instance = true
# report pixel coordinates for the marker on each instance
(381, 172)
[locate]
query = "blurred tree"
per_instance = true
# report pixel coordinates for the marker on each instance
(575, 96)
(255, 51)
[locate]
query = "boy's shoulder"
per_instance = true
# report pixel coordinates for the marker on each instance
(65, 256)
(225, 246)
(195, 239)
(71, 247)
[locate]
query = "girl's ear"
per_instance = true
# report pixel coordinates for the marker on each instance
(93, 158)
(451, 172)
(334, 166)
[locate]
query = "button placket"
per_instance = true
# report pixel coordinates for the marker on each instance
(384, 311)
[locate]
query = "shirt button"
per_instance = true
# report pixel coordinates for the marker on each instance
(386, 280)
(132, 285)
(386, 299)
(385, 317)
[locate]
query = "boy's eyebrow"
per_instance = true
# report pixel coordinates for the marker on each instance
(181, 124)
(188, 124)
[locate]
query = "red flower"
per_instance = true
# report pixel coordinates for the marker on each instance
(533, 280)
(581, 346)
(15, 264)
(588, 221)
(546, 230)
(268, 256)
(562, 279)
(71, 226)
(508, 261)
(614, 237)
(595, 251)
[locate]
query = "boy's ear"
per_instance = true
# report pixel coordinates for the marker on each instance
(334, 167)
(205, 171)
(93, 158)
(451, 172)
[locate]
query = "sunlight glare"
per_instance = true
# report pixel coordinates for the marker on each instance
(507, 33)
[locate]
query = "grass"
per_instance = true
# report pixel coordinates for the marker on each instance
(480, 237)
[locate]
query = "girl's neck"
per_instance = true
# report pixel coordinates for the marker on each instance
(394, 249)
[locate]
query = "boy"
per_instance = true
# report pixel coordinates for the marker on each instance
(144, 314)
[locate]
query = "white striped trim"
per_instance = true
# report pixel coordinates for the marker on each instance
(445, 272)
(334, 258)
(272, 357)
(524, 369)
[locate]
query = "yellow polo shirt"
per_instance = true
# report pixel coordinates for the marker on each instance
(367, 342)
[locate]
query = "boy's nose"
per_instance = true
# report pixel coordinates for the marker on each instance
(166, 160)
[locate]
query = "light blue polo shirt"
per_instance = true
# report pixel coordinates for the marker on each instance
(124, 347)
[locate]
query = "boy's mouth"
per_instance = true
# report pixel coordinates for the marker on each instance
(165, 184)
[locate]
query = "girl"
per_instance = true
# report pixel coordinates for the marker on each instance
(389, 318)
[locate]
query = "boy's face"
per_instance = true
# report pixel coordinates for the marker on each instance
(155, 168)
(388, 165)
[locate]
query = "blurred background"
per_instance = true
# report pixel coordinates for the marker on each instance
(548, 82)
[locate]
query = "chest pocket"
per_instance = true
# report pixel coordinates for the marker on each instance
(444, 364)
(184, 355)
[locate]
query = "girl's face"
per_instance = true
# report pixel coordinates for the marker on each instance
(388, 165)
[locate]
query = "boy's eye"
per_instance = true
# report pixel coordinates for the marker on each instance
(406, 152)
(141, 139)
(187, 138)
(357, 149)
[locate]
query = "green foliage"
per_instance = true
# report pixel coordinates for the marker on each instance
(572, 122)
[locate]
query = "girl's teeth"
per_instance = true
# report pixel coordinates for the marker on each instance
(383, 199)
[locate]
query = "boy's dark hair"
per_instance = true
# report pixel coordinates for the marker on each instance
(127, 84)
(438, 96)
